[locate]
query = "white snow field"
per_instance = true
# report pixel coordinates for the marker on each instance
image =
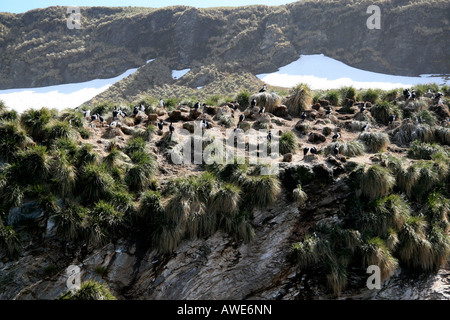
(59, 96)
(321, 72)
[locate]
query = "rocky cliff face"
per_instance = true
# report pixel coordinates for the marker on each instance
(216, 267)
(37, 48)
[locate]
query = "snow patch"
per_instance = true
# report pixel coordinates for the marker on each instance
(177, 74)
(321, 72)
(59, 96)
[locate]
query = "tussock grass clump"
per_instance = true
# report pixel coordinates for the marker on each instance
(410, 131)
(347, 93)
(105, 221)
(376, 182)
(288, 143)
(10, 115)
(9, 241)
(59, 129)
(90, 290)
(35, 121)
(267, 100)
(357, 125)
(95, 183)
(243, 98)
(420, 178)
(12, 140)
(383, 110)
(299, 195)
(136, 144)
(438, 210)
(227, 121)
(329, 248)
(425, 151)
(261, 191)
(375, 252)
(440, 243)
(146, 134)
(390, 213)
(69, 222)
(352, 148)
(74, 118)
(442, 135)
(414, 106)
(414, 250)
(424, 117)
(375, 141)
(421, 89)
(332, 96)
(139, 175)
(299, 100)
(63, 175)
(34, 164)
(390, 95)
(370, 95)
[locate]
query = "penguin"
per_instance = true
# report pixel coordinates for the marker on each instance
(94, 117)
(328, 111)
(241, 118)
(392, 118)
(115, 113)
(135, 111)
(363, 107)
(336, 136)
(87, 113)
(269, 136)
(263, 89)
(253, 103)
(365, 128)
(142, 108)
(262, 110)
(313, 150)
(197, 105)
(161, 103)
(305, 151)
(160, 125)
(303, 116)
(336, 150)
(171, 128)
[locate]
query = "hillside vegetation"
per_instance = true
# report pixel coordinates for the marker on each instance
(101, 181)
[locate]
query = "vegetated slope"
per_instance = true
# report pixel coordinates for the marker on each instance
(37, 48)
(106, 195)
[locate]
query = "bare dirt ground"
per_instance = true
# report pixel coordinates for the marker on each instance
(335, 121)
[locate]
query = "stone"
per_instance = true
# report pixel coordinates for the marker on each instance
(316, 106)
(326, 131)
(252, 113)
(322, 173)
(189, 126)
(152, 117)
(303, 127)
(175, 115)
(194, 114)
(140, 117)
(324, 103)
(211, 110)
(281, 111)
(316, 138)
(288, 157)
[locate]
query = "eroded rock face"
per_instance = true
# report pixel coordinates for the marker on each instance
(218, 267)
